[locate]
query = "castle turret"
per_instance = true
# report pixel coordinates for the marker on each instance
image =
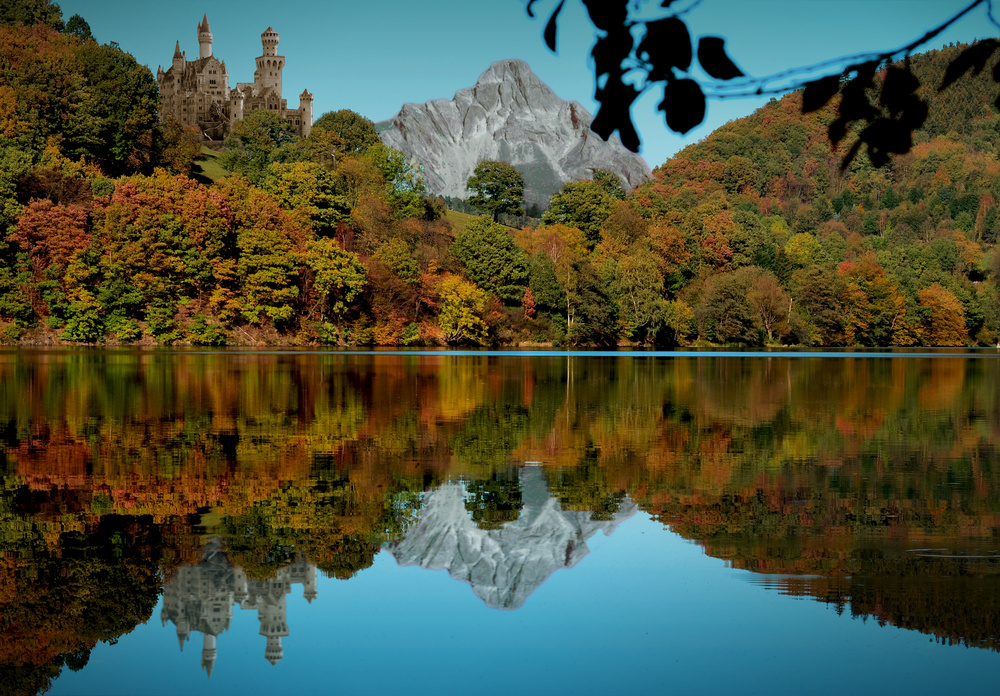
(269, 39)
(208, 653)
(179, 59)
(274, 628)
(205, 39)
(183, 632)
(274, 653)
(269, 65)
(306, 105)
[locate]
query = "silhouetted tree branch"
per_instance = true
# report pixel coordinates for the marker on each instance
(878, 89)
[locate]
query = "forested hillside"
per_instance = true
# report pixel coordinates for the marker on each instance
(779, 241)
(111, 233)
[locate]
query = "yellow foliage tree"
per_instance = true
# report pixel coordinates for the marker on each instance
(944, 324)
(463, 305)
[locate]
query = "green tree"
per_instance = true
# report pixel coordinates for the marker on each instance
(266, 270)
(584, 205)
(635, 284)
(397, 257)
(611, 183)
(356, 132)
(497, 188)
(769, 303)
(31, 12)
(546, 291)
(115, 123)
(724, 313)
(310, 189)
(818, 293)
(591, 318)
(803, 249)
(180, 146)
(495, 263)
(339, 276)
(404, 181)
(254, 142)
(78, 27)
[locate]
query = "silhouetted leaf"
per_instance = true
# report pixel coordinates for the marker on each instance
(878, 157)
(607, 15)
(551, 27)
(884, 135)
(666, 45)
(836, 131)
(667, 3)
(609, 52)
(530, 12)
(898, 89)
(683, 104)
(914, 115)
(973, 58)
(614, 114)
(854, 102)
(818, 92)
(713, 58)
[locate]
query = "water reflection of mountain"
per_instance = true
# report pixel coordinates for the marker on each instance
(116, 466)
(503, 565)
(200, 598)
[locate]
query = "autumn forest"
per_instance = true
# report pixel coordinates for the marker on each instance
(115, 229)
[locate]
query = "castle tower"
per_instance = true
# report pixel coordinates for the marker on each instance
(183, 632)
(269, 39)
(269, 65)
(205, 39)
(309, 579)
(274, 653)
(306, 105)
(179, 60)
(274, 628)
(208, 653)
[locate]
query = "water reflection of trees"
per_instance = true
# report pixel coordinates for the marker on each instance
(57, 601)
(793, 466)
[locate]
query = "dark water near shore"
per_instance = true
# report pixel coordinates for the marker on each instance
(495, 522)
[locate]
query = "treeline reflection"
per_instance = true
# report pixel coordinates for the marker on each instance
(118, 466)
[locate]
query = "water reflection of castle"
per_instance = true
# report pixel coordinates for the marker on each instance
(201, 598)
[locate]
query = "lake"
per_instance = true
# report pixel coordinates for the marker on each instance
(495, 522)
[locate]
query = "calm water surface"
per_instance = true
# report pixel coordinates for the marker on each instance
(343, 523)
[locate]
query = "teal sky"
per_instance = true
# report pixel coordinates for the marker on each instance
(372, 56)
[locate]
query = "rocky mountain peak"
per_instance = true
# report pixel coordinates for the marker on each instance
(512, 116)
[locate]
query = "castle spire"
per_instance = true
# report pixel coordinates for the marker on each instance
(177, 50)
(208, 654)
(204, 39)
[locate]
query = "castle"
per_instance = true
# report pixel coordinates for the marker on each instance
(197, 92)
(201, 598)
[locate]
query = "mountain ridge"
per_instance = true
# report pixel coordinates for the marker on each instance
(512, 116)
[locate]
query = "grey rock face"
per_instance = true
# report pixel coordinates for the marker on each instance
(512, 116)
(503, 566)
